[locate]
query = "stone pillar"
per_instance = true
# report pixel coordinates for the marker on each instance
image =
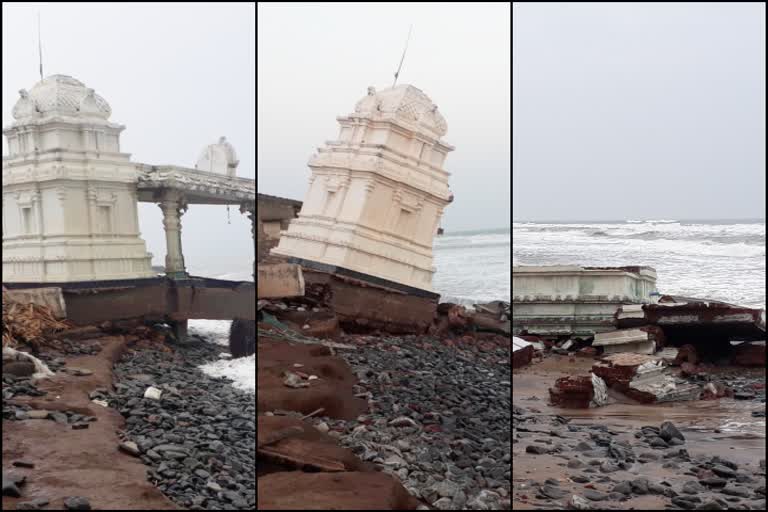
(173, 206)
(251, 209)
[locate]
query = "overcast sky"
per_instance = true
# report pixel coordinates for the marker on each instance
(179, 76)
(638, 111)
(316, 61)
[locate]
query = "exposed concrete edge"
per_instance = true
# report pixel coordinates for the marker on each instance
(377, 281)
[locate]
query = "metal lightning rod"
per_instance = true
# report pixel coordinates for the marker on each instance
(397, 73)
(40, 44)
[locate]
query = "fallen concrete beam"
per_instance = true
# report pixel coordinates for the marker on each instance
(279, 281)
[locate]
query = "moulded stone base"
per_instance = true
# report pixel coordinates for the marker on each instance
(335, 269)
(57, 271)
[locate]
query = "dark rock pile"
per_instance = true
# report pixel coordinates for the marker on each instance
(439, 419)
(199, 437)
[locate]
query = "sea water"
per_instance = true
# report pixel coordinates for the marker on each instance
(721, 260)
(473, 266)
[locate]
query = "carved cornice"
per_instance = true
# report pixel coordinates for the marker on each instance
(191, 182)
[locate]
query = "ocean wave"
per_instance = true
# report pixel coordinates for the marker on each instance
(721, 261)
(652, 221)
(752, 234)
(706, 238)
(474, 241)
(694, 248)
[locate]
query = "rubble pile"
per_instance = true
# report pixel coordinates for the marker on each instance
(645, 379)
(418, 404)
(315, 315)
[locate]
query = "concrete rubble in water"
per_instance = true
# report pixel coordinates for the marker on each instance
(641, 377)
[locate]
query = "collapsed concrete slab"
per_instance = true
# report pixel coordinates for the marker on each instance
(574, 300)
(681, 316)
(708, 326)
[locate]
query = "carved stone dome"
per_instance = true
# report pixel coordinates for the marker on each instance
(219, 158)
(60, 95)
(404, 103)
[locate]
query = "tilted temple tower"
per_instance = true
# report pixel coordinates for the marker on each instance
(376, 194)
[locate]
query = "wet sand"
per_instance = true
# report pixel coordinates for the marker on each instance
(79, 462)
(742, 437)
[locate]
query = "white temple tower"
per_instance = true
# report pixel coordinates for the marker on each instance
(377, 194)
(69, 194)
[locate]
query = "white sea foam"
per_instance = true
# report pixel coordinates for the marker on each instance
(214, 331)
(242, 370)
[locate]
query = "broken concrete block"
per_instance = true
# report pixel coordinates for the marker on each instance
(626, 340)
(280, 280)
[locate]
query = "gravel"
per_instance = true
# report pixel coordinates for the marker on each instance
(439, 418)
(199, 438)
